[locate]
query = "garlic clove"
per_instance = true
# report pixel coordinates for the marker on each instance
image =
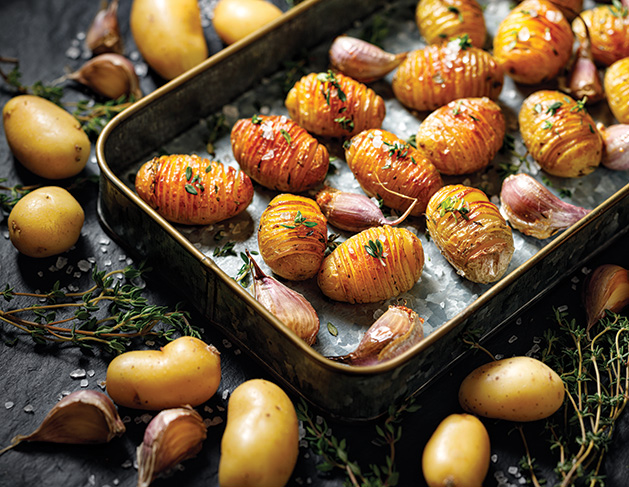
(289, 306)
(174, 435)
(584, 80)
(397, 330)
(104, 32)
(533, 210)
(110, 75)
(607, 287)
(362, 60)
(616, 141)
(82, 417)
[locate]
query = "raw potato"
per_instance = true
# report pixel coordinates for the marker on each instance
(608, 29)
(185, 371)
(169, 35)
(45, 138)
(260, 444)
(515, 389)
(458, 453)
(444, 19)
(236, 19)
(617, 89)
(45, 222)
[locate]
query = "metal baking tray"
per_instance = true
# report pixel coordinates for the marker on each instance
(246, 78)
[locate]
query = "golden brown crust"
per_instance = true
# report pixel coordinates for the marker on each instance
(439, 20)
(608, 28)
(617, 89)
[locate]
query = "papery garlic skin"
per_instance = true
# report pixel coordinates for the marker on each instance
(607, 288)
(174, 435)
(110, 75)
(584, 81)
(533, 210)
(104, 32)
(616, 146)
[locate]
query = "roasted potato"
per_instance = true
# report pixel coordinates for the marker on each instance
(534, 42)
(235, 19)
(373, 265)
(384, 165)
(569, 8)
(292, 236)
(616, 83)
(334, 105)
(560, 134)
(470, 232)
(191, 190)
(462, 136)
(608, 31)
(277, 153)
(439, 20)
(434, 76)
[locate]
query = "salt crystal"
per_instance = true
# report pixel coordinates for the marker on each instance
(237, 351)
(585, 270)
(102, 384)
(213, 422)
(127, 464)
(91, 480)
(150, 343)
(116, 482)
(512, 470)
(494, 458)
(208, 409)
(499, 356)
(575, 279)
(141, 69)
(518, 321)
(40, 274)
(227, 344)
(73, 52)
(104, 241)
(29, 408)
(61, 262)
(91, 373)
(513, 338)
(225, 394)
(77, 373)
(8, 404)
(84, 265)
(562, 308)
(84, 383)
(126, 419)
(146, 418)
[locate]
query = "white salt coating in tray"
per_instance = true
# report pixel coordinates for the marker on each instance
(441, 293)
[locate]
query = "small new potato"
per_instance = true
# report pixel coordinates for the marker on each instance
(185, 371)
(46, 139)
(457, 453)
(236, 19)
(516, 389)
(260, 444)
(45, 222)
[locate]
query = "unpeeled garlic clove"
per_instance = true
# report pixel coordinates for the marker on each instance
(104, 32)
(362, 60)
(616, 140)
(289, 306)
(607, 287)
(533, 210)
(174, 435)
(110, 75)
(397, 330)
(584, 80)
(82, 417)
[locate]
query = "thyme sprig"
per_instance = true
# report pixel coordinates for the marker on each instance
(110, 313)
(375, 249)
(15, 193)
(300, 220)
(13, 78)
(331, 85)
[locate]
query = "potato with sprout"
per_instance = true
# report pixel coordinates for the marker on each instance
(439, 20)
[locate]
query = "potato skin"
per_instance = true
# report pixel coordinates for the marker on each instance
(616, 84)
(516, 389)
(458, 453)
(379, 159)
(292, 236)
(560, 134)
(316, 103)
(533, 42)
(221, 192)
(350, 274)
(47, 221)
(235, 19)
(185, 371)
(463, 136)
(260, 445)
(277, 153)
(470, 232)
(434, 76)
(439, 20)
(46, 139)
(608, 28)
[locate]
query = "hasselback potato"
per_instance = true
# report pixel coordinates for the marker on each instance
(384, 164)
(470, 232)
(373, 265)
(534, 42)
(560, 134)
(608, 29)
(462, 136)
(434, 76)
(292, 236)
(277, 153)
(334, 105)
(192, 190)
(443, 19)
(616, 83)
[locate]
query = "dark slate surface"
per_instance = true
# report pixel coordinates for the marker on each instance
(39, 33)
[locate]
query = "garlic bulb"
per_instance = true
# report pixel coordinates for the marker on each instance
(110, 75)
(362, 60)
(174, 435)
(533, 210)
(82, 417)
(290, 307)
(607, 287)
(616, 143)
(397, 330)
(104, 32)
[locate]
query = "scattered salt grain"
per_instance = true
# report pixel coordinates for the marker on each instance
(146, 418)
(518, 321)
(127, 464)
(29, 408)
(116, 482)
(90, 373)
(208, 409)
(494, 458)
(225, 394)
(91, 480)
(513, 338)
(227, 344)
(61, 262)
(585, 270)
(212, 422)
(8, 405)
(237, 351)
(512, 470)
(499, 356)
(40, 274)
(77, 373)
(84, 383)
(102, 384)
(126, 419)
(220, 408)
(562, 308)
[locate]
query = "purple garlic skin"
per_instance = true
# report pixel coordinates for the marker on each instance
(104, 32)
(585, 81)
(616, 146)
(607, 288)
(533, 210)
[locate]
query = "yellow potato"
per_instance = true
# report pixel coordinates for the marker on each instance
(45, 138)
(457, 453)
(260, 444)
(169, 35)
(186, 371)
(235, 19)
(45, 222)
(515, 389)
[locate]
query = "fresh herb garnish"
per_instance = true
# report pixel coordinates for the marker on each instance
(256, 119)
(453, 204)
(462, 42)
(332, 330)
(345, 122)
(396, 149)
(329, 83)
(456, 12)
(547, 125)
(375, 249)
(580, 105)
(225, 250)
(300, 220)
(286, 136)
(552, 109)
